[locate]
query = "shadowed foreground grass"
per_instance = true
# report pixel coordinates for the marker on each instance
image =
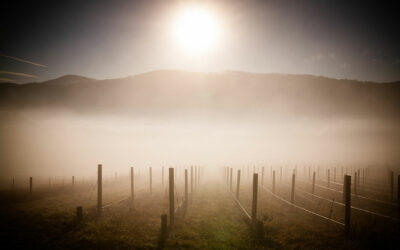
(213, 221)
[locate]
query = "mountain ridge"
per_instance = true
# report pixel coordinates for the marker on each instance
(73, 77)
(179, 93)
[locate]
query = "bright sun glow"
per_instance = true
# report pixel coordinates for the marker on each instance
(196, 30)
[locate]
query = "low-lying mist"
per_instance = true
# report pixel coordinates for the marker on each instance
(66, 127)
(62, 143)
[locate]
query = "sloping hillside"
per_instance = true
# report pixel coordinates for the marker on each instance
(198, 94)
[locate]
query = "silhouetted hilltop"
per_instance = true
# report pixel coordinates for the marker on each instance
(69, 79)
(178, 93)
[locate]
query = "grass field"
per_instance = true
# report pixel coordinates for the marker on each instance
(46, 219)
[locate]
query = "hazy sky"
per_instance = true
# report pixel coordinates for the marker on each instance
(110, 39)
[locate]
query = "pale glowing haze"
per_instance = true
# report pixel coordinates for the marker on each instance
(196, 29)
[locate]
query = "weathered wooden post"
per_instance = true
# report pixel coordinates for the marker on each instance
(391, 185)
(200, 174)
(79, 214)
(171, 197)
(186, 190)
(398, 194)
(73, 183)
(355, 183)
(313, 183)
(329, 173)
(273, 181)
(227, 175)
(99, 190)
(151, 180)
(254, 203)
(132, 187)
(262, 176)
(293, 184)
(347, 201)
(191, 183)
(238, 184)
(30, 185)
(164, 228)
(195, 178)
(230, 179)
(358, 177)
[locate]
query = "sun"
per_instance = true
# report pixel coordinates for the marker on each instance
(196, 29)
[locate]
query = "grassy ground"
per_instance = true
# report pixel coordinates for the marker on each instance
(213, 221)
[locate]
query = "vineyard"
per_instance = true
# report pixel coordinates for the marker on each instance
(247, 207)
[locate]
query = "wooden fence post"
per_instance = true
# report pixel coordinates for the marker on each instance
(391, 185)
(171, 198)
(398, 194)
(191, 183)
(99, 189)
(293, 184)
(30, 185)
(186, 190)
(238, 184)
(313, 183)
(151, 180)
(254, 203)
(195, 178)
(273, 181)
(230, 179)
(347, 200)
(79, 214)
(227, 175)
(329, 180)
(132, 187)
(198, 176)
